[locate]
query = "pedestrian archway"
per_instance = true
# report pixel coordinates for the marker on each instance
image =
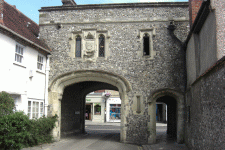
(171, 115)
(175, 114)
(67, 98)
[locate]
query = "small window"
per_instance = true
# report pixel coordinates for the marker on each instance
(40, 62)
(101, 46)
(35, 109)
(78, 46)
(138, 104)
(19, 54)
(146, 41)
(97, 109)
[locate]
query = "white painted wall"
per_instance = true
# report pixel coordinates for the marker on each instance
(14, 76)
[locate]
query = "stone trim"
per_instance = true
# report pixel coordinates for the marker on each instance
(151, 33)
(110, 6)
(60, 82)
(179, 97)
(147, 20)
(72, 42)
(84, 34)
(138, 109)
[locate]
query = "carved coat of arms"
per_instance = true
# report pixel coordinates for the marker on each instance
(89, 51)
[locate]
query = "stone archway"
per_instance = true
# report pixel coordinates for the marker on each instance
(179, 97)
(57, 86)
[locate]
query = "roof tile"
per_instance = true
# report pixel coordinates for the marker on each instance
(21, 24)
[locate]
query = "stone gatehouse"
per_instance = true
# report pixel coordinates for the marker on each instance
(133, 48)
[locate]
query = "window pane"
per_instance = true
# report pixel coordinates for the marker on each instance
(29, 103)
(29, 109)
(146, 44)
(78, 47)
(101, 46)
(16, 48)
(33, 108)
(20, 59)
(21, 51)
(19, 54)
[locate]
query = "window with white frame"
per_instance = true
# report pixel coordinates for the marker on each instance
(19, 53)
(40, 62)
(35, 109)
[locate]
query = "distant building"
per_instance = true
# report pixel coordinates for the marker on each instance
(103, 106)
(24, 61)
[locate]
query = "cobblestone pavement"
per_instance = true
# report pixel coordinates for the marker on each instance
(106, 136)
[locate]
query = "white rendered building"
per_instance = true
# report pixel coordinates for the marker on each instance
(23, 61)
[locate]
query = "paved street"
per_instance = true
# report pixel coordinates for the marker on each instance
(163, 142)
(106, 136)
(98, 137)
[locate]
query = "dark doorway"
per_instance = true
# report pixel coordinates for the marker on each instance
(171, 103)
(88, 112)
(74, 108)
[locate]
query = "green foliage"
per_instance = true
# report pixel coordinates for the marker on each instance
(6, 104)
(17, 131)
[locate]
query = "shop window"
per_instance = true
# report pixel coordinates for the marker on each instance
(115, 111)
(97, 109)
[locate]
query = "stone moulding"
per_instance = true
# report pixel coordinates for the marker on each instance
(108, 6)
(150, 20)
(179, 97)
(59, 83)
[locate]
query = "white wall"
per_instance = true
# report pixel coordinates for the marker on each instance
(14, 76)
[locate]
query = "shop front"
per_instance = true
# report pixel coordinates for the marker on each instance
(113, 110)
(95, 107)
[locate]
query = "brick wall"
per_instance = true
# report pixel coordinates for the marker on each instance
(194, 6)
(100, 91)
(1, 11)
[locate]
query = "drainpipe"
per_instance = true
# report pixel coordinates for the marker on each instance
(47, 68)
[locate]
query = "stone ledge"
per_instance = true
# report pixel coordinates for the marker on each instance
(181, 19)
(124, 5)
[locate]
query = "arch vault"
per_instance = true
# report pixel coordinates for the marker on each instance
(97, 79)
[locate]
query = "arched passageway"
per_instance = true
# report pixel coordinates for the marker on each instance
(73, 104)
(171, 115)
(175, 113)
(67, 94)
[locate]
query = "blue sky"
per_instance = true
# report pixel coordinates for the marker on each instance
(30, 7)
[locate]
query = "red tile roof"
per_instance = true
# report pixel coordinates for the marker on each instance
(21, 24)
